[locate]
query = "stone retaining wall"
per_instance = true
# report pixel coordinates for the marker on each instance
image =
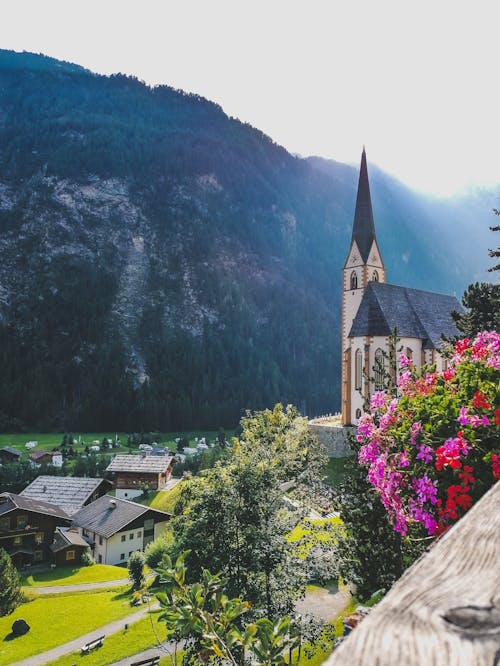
(333, 436)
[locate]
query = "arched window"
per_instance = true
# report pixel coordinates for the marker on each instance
(354, 280)
(375, 276)
(358, 370)
(358, 413)
(409, 353)
(379, 370)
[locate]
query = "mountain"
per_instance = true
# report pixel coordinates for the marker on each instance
(165, 266)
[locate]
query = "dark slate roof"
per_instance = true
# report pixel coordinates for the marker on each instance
(415, 313)
(363, 228)
(109, 515)
(10, 501)
(140, 463)
(68, 492)
(12, 450)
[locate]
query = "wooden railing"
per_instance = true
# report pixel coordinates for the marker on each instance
(445, 610)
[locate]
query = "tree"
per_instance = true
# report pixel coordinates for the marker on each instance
(10, 586)
(211, 624)
(482, 302)
(136, 569)
(232, 519)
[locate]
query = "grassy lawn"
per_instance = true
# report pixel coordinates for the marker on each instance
(164, 500)
(335, 470)
(310, 532)
(139, 636)
(97, 573)
(60, 618)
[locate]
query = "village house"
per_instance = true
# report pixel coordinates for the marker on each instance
(115, 528)
(134, 473)
(27, 528)
(70, 493)
(9, 454)
(68, 547)
(54, 458)
(372, 310)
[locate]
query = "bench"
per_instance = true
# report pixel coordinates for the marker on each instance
(153, 661)
(97, 642)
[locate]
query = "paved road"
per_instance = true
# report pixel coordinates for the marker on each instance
(77, 643)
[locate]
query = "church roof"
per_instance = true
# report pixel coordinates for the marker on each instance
(363, 229)
(414, 313)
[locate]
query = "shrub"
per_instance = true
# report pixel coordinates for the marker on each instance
(434, 450)
(86, 559)
(136, 569)
(10, 587)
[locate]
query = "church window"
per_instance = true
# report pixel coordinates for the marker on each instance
(375, 276)
(379, 370)
(358, 413)
(358, 370)
(354, 280)
(409, 353)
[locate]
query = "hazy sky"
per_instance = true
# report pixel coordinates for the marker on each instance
(417, 82)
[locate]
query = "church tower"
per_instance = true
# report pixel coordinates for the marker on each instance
(363, 264)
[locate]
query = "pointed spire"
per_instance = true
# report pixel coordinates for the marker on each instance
(363, 229)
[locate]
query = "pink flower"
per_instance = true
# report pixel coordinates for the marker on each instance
(415, 430)
(463, 416)
(377, 400)
(425, 453)
(405, 362)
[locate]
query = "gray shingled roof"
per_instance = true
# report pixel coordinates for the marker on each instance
(11, 449)
(109, 515)
(139, 463)
(415, 313)
(65, 537)
(68, 492)
(10, 501)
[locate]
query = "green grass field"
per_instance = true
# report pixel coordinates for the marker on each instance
(60, 618)
(47, 441)
(164, 500)
(97, 573)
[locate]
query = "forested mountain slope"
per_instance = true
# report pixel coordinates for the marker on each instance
(165, 266)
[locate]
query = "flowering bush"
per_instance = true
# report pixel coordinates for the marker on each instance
(434, 450)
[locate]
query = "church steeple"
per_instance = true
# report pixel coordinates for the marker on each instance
(363, 230)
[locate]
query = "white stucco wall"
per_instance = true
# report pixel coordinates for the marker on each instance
(128, 493)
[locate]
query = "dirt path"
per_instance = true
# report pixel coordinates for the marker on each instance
(81, 587)
(324, 604)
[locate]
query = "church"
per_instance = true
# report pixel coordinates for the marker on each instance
(372, 310)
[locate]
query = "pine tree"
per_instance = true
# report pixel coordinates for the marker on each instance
(10, 586)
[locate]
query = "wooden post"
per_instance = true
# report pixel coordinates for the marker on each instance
(445, 610)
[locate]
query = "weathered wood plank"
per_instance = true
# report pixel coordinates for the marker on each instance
(445, 610)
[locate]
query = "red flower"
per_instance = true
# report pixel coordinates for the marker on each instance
(466, 475)
(464, 501)
(462, 345)
(497, 416)
(495, 464)
(480, 401)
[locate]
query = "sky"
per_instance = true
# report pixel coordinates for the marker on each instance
(416, 82)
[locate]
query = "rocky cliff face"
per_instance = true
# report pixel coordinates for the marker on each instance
(165, 266)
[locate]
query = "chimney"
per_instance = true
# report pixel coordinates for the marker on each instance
(112, 504)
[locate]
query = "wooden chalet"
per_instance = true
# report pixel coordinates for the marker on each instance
(9, 454)
(68, 547)
(133, 473)
(27, 528)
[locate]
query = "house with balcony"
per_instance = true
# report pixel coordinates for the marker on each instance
(54, 458)
(27, 528)
(114, 528)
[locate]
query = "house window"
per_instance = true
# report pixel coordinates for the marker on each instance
(37, 556)
(124, 536)
(4, 524)
(100, 540)
(39, 537)
(122, 556)
(130, 552)
(70, 554)
(358, 370)
(99, 559)
(139, 535)
(21, 522)
(358, 413)
(131, 536)
(379, 370)
(354, 280)
(149, 524)
(375, 276)
(18, 541)
(409, 353)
